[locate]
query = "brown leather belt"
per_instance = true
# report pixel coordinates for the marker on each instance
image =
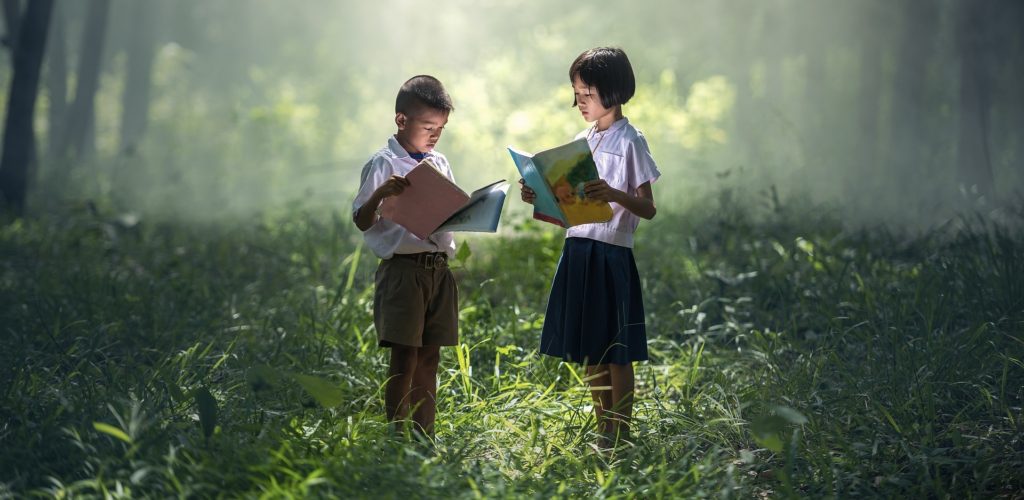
(429, 260)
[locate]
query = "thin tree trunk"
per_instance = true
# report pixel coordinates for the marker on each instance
(974, 164)
(908, 112)
(135, 111)
(81, 121)
(19, 141)
(869, 93)
(57, 80)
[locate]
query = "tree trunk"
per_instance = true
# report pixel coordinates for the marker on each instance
(974, 165)
(869, 93)
(12, 16)
(909, 111)
(1018, 93)
(135, 111)
(57, 80)
(19, 140)
(81, 121)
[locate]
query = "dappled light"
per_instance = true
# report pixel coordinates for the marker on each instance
(831, 267)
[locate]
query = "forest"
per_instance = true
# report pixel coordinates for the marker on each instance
(833, 283)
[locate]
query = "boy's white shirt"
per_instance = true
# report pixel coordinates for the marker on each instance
(386, 238)
(624, 161)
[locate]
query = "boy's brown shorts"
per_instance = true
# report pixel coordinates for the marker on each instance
(415, 301)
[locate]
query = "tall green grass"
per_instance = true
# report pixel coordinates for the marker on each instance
(789, 357)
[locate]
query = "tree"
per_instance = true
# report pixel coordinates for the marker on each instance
(78, 138)
(57, 79)
(19, 138)
(12, 14)
(135, 111)
(869, 91)
(908, 113)
(974, 163)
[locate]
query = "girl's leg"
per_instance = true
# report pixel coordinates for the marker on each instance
(622, 395)
(424, 388)
(600, 389)
(400, 374)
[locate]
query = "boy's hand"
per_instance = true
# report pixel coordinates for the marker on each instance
(391, 187)
(601, 191)
(527, 194)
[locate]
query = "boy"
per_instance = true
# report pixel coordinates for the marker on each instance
(415, 301)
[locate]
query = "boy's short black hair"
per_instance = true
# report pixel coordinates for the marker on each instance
(422, 91)
(608, 69)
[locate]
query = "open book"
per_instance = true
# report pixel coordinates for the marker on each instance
(432, 203)
(557, 175)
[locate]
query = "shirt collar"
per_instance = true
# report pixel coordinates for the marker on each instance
(616, 125)
(397, 149)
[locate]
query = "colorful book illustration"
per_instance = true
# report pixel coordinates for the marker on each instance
(432, 203)
(557, 175)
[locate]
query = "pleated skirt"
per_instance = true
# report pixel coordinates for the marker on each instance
(595, 313)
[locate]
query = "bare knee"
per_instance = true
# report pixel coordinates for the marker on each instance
(403, 360)
(427, 357)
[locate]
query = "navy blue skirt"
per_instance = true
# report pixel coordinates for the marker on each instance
(595, 313)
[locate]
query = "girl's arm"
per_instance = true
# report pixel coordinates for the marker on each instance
(641, 203)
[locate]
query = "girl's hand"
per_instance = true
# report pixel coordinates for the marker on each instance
(601, 191)
(527, 194)
(391, 187)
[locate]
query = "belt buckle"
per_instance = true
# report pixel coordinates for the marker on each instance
(433, 261)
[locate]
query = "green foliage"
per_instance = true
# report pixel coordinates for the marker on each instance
(789, 357)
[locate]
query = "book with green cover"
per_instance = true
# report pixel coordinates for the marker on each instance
(557, 176)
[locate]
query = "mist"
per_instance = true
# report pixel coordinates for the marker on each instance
(896, 113)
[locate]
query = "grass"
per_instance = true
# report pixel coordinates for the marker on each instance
(789, 357)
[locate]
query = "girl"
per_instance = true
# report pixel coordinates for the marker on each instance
(595, 313)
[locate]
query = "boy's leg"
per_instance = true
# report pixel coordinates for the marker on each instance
(622, 395)
(424, 388)
(400, 376)
(600, 384)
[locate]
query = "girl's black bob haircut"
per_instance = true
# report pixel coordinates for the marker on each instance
(608, 69)
(422, 91)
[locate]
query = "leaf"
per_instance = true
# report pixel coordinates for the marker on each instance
(207, 411)
(463, 253)
(353, 266)
(261, 377)
(790, 415)
(766, 431)
(113, 431)
(324, 391)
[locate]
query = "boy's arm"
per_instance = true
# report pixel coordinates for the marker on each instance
(366, 215)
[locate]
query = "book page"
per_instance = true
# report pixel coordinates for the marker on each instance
(566, 169)
(428, 200)
(545, 207)
(483, 211)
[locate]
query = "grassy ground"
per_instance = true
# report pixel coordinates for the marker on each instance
(788, 358)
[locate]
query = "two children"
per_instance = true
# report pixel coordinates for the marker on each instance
(595, 309)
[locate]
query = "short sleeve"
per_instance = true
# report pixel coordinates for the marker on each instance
(639, 157)
(442, 162)
(374, 173)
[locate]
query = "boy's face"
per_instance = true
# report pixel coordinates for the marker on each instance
(420, 131)
(588, 99)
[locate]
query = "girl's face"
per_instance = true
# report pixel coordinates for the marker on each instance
(588, 99)
(420, 132)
